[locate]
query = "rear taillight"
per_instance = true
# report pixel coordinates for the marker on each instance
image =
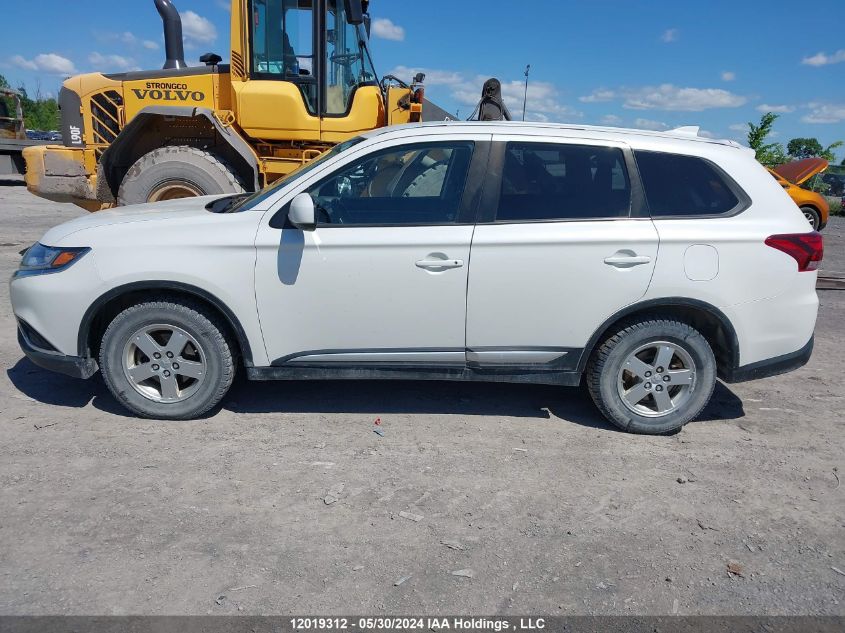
(805, 248)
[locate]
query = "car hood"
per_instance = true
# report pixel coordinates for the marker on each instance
(800, 171)
(184, 209)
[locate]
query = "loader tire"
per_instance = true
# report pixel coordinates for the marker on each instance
(170, 173)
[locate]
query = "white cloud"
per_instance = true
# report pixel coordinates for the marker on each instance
(26, 64)
(648, 124)
(610, 119)
(823, 59)
(738, 127)
(728, 75)
(675, 98)
(825, 113)
(225, 5)
(197, 29)
(387, 30)
(49, 63)
(777, 109)
(599, 96)
(668, 97)
(128, 38)
(110, 62)
(670, 35)
(433, 77)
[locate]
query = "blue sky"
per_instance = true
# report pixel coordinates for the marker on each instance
(634, 63)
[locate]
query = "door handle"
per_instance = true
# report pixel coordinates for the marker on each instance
(440, 263)
(627, 261)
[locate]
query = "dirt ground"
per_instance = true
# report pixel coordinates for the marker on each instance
(549, 508)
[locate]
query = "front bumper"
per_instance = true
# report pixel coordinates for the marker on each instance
(772, 366)
(73, 366)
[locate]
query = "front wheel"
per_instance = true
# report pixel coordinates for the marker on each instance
(168, 360)
(652, 376)
(174, 172)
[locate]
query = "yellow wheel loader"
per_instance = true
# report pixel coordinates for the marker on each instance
(13, 138)
(300, 79)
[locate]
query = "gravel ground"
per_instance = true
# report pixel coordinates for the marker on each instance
(548, 507)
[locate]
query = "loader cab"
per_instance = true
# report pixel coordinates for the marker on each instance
(315, 50)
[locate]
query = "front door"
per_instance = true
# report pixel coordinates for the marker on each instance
(382, 279)
(564, 245)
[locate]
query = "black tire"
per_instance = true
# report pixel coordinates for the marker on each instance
(177, 170)
(206, 328)
(606, 363)
(812, 216)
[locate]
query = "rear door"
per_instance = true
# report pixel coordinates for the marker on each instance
(563, 243)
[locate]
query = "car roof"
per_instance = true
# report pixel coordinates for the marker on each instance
(561, 130)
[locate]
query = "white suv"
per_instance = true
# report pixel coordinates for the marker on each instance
(644, 264)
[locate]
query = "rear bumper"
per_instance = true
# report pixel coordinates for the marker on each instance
(771, 366)
(73, 366)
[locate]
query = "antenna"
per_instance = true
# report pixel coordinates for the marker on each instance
(525, 98)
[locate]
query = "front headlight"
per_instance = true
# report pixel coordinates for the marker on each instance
(40, 259)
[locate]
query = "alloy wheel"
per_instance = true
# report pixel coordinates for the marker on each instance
(656, 379)
(164, 363)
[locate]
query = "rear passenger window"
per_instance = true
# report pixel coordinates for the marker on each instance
(563, 182)
(678, 185)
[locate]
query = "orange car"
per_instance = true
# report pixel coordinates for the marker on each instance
(792, 175)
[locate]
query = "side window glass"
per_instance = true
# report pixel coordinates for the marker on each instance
(677, 185)
(347, 67)
(413, 184)
(563, 182)
(282, 44)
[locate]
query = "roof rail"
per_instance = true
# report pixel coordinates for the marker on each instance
(686, 130)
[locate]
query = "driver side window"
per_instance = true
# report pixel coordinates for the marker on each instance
(408, 185)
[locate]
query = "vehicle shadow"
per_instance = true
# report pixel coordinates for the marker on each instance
(366, 397)
(433, 397)
(48, 387)
(7, 182)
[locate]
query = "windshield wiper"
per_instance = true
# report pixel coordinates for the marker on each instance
(229, 204)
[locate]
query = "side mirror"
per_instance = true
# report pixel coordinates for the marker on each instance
(354, 12)
(302, 213)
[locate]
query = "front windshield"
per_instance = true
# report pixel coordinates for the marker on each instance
(259, 196)
(348, 64)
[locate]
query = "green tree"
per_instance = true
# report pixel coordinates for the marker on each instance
(769, 154)
(811, 148)
(39, 113)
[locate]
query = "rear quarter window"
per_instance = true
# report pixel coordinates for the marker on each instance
(687, 186)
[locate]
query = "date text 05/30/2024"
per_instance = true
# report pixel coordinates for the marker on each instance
(417, 623)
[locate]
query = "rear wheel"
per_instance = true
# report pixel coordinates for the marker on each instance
(168, 360)
(171, 173)
(812, 217)
(652, 376)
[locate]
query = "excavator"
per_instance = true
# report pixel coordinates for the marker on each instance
(300, 80)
